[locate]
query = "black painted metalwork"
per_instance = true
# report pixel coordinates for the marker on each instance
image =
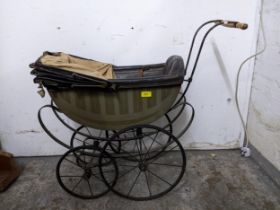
(79, 172)
(152, 151)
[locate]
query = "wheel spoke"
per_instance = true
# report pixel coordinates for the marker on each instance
(89, 187)
(159, 177)
(83, 141)
(100, 133)
(160, 143)
(128, 154)
(84, 156)
(162, 153)
(134, 183)
(143, 142)
(92, 157)
(72, 162)
(88, 131)
(127, 172)
(76, 185)
(95, 175)
(138, 150)
(110, 171)
(72, 176)
(150, 192)
(141, 149)
(164, 164)
(134, 147)
(123, 144)
(125, 165)
(110, 148)
(146, 151)
(150, 146)
(139, 133)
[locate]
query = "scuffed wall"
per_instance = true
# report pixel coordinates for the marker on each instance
(264, 111)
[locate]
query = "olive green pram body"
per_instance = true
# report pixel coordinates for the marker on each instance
(114, 109)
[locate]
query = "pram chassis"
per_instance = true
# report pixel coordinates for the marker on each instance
(109, 150)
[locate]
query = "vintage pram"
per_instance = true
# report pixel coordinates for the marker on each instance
(116, 146)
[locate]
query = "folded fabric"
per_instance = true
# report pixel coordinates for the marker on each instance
(78, 65)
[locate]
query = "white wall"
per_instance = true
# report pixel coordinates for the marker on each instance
(123, 32)
(264, 111)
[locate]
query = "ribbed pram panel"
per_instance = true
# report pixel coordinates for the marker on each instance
(114, 109)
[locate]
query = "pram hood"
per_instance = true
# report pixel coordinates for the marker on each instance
(60, 70)
(78, 65)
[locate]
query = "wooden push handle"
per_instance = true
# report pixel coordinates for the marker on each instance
(235, 24)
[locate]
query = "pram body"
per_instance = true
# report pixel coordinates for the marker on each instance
(115, 116)
(137, 95)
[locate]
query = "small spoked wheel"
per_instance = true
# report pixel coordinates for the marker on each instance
(86, 136)
(152, 162)
(78, 172)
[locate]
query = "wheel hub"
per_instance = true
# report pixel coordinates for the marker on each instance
(87, 173)
(142, 166)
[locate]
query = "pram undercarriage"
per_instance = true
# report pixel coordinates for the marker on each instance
(117, 146)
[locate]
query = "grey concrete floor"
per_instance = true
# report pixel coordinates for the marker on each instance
(214, 180)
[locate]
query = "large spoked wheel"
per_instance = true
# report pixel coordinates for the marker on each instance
(78, 172)
(86, 136)
(155, 165)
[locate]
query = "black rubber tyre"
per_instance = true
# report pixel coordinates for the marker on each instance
(79, 169)
(144, 175)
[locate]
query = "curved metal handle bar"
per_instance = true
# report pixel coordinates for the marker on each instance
(189, 80)
(189, 123)
(232, 24)
(47, 130)
(178, 101)
(194, 39)
(183, 104)
(201, 45)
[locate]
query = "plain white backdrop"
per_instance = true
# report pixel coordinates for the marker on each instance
(123, 33)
